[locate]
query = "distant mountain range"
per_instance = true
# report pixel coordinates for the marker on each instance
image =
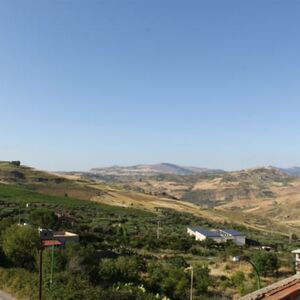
(294, 171)
(169, 168)
(154, 169)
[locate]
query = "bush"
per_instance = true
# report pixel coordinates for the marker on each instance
(43, 218)
(238, 278)
(168, 280)
(266, 262)
(203, 279)
(22, 282)
(122, 269)
(20, 245)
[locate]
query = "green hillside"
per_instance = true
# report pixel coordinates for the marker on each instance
(120, 255)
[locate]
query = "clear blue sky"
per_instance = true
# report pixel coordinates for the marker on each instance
(96, 83)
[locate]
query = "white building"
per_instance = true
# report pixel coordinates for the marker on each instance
(202, 234)
(61, 236)
(66, 236)
(297, 260)
(219, 235)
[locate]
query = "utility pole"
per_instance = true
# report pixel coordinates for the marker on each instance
(19, 216)
(40, 273)
(52, 266)
(192, 280)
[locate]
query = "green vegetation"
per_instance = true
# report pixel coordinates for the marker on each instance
(20, 244)
(119, 255)
(266, 262)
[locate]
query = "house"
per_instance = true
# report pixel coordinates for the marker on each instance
(201, 234)
(218, 235)
(61, 238)
(65, 237)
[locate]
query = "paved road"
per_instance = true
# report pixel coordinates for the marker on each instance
(4, 296)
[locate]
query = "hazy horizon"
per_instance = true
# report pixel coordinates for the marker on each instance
(200, 83)
(155, 163)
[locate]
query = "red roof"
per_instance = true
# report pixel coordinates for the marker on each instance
(48, 243)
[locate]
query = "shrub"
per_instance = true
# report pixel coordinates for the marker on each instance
(43, 218)
(203, 279)
(20, 245)
(168, 280)
(238, 278)
(122, 269)
(266, 262)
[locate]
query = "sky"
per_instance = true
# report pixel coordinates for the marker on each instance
(116, 82)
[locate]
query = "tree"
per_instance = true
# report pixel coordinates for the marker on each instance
(232, 249)
(168, 280)
(209, 243)
(20, 245)
(43, 218)
(202, 279)
(266, 262)
(122, 269)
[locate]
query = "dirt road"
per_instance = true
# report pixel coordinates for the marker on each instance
(5, 296)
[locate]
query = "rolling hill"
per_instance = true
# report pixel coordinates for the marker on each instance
(264, 198)
(295, 171)
(22, 178)
(150, 170)
(265, 192)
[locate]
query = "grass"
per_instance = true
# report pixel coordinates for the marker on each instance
(21, 195)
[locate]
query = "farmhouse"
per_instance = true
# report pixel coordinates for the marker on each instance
(202, 234)
(61, 238)
(218, 235)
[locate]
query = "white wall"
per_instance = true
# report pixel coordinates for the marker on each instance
(239, 240)
(198, 236)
